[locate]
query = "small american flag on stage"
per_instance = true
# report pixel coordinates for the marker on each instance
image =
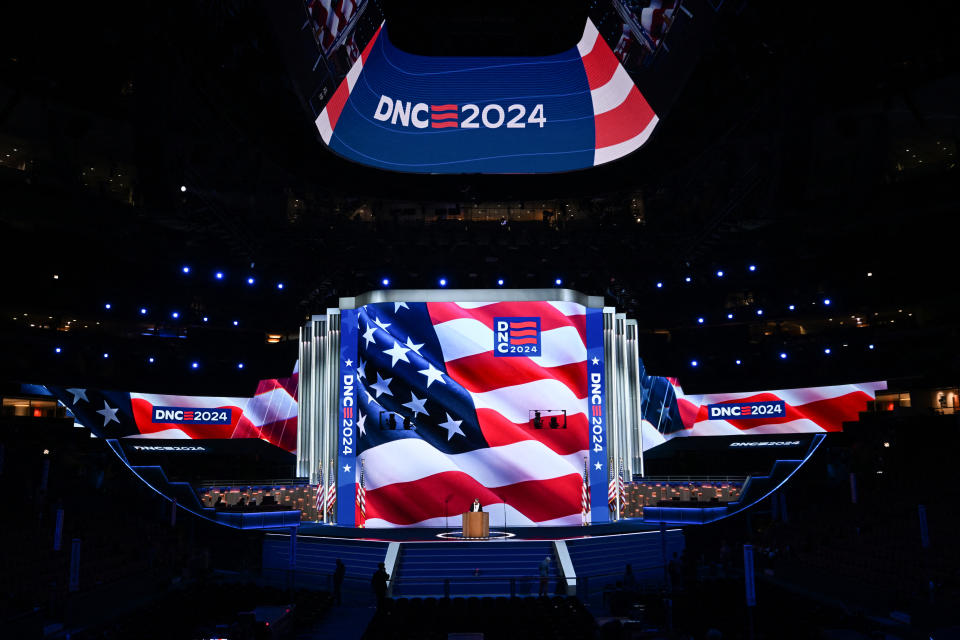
(471, 434)
(331, 489)
(361, 500)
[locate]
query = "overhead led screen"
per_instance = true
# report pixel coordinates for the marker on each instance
(405, 112)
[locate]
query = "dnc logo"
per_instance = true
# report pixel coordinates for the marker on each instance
(445, 116)
(516, 337)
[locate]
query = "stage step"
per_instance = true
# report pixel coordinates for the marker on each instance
(603, 559)
(317, 558)
(472, 568)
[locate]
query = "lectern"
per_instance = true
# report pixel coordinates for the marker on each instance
(476, 524)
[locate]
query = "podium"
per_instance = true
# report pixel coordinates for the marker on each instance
(476, 524)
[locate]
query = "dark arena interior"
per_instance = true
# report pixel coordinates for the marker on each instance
(657, 297)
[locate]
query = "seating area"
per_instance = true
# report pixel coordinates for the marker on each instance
(472, 568)
(651, 493)
(557, 618)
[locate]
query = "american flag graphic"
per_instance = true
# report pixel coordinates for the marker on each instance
(328, 18)
(471, 434)
(270, 415)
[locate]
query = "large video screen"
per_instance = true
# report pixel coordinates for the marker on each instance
(472, 400)
(269, 415)
(380, 106)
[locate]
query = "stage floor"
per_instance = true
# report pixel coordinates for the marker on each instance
(429, 534)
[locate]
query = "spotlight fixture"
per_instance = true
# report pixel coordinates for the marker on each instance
(218, 275)
(385, 282)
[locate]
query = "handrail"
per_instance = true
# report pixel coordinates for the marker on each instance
(688, 479)
(270, 482)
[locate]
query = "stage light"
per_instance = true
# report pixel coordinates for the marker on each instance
(205, 318)
(385, 282)
(737, 362)
(729, 316)
(886, 445)
(250, 280)
(443, 282)
(194, 365)
(792, 307)
(688, 279)
(151, 360)
(869, 274)
(239, 365)
(752, 267)
(107, 306)
(56, 277)
(827, 350)
(183, 188)
(693, 363)
(759, 312)
(699, 320)
(46, 452)
(783, 355)
(558, 282)
(186, 269)
(175, 315)
(57, 350)
(218, 275)
(719, 273)
(236, 323)
(500, 282)
(659, 285)
(279, 285)
(870, 346)
(826, 301)
(143, 311)
(105, 355)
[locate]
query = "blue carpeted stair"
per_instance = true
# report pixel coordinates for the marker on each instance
(317, 558)
(603, 560)
(473, 568)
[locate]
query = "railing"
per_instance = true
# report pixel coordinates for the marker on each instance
(590, 589)
(647, 479)
(270, 482)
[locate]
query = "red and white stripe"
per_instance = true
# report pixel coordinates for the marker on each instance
(331, 497)
(623, 118)
(531, 477)
(271, 415)
(809, 410)
(585, 493)
(327, 120)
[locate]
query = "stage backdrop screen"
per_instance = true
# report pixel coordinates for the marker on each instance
(447, 402)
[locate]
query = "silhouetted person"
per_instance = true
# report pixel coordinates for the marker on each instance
(629, 580)
(544, 575)
(407, 422)
(537, 420)
(338, 574)
(379, 584)
(392, 421)
(554, 423)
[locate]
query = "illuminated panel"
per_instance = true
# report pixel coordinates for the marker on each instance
(404, 112)
(443, 418)
(270, 415)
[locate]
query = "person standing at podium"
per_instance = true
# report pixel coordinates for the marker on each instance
(476, 506)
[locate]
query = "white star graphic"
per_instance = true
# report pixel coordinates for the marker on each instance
(416, 405)
(370, 399)
(595, 360)
(109, 415)
(380, 324)
(398, 305)
(346, 468)
(361, 371)
(414, 347)
(452, 426)
(382, 386)
(397, 353)
(348, 363)
(368, 335)
(433, 374)
(360, 424)
(598, 466)
(78, 394)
